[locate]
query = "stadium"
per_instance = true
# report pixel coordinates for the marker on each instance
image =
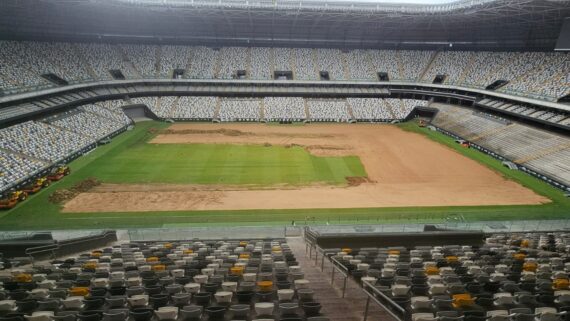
(308, 160)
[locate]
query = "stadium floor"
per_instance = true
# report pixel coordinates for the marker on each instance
(39, 213)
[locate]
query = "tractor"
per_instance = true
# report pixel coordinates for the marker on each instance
(12, 198)
(37, 185)
(58, 172)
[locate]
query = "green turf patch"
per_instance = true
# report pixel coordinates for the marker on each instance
(223, 164)
(129, 148)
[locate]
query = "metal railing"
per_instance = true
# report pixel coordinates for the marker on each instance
(387, 304)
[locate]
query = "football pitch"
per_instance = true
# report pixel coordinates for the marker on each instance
(134, 160)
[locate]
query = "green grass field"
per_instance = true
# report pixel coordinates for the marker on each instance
(129, 159)
(223, 164)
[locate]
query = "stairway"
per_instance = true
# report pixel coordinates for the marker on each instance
(334, 307)
(217, 64)
(158, 62)
(248, 63)
(127, 62)
(84, 62)
(174, 106)
(218, 106)
(345, 65)
(293, 60)
(390, 110)
(262, 109)
(271, 63)
(467, 69)
(315, 58)
(350, 112)
(431, 60)
(307, 114)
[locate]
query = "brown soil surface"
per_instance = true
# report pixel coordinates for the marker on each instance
(64, 195)
(404, 169)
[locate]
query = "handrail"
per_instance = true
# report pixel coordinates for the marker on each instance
(373, 293)
(42, 249)
(337, 266)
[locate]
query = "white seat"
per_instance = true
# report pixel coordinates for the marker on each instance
(167, 313)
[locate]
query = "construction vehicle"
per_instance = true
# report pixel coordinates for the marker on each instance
(12, 199)
(37, 185)
(58, 172)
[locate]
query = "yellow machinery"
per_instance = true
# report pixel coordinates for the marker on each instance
(12, 199)
(59, 172)
(37, 185)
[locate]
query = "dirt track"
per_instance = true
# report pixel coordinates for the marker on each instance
(404, 169)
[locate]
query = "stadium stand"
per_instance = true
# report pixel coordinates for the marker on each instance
(305, 68)
(16, 167)
(42, 141)
(539, 150)
(203, 63)
(261, 63)
(172, 58)
(328, 110)
(143, 58)
(534, 74)
(195, 108)
(220, 280)
(240, 110)
(518, 276)
(232, 59)
(369, 109)
(284, 109)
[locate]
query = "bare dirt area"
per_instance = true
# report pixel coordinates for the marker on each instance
(404, 169)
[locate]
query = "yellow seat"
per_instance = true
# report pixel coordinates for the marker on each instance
(519, 256)
(265, 286)
(432, 270)
(462, 300)
(525, 243)
(167, 245)
(393, 252)
(529, 267)
(188, 251)
(158, 267)
(236, 270)
(560, 284)
(346, 250)
(244, 256)
(90, 265)
(451, 259)
(79, 291)
(152, 259)
(243, 243)
(96, 254)
(23, 278)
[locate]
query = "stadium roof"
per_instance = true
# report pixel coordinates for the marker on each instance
(469, 24)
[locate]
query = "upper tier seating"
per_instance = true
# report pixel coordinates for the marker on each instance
(535, 74)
